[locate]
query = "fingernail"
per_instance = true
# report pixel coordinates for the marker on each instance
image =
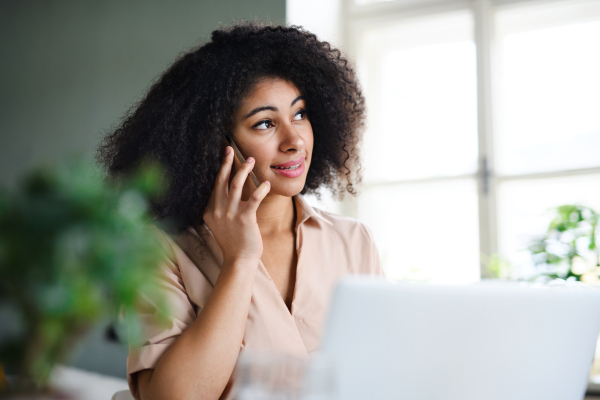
(227, 150)
(249, 159)
(268, 183)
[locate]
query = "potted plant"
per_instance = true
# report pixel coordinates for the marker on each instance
(569, 248)
(74, 248)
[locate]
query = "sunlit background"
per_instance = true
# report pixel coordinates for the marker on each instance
(482, 114)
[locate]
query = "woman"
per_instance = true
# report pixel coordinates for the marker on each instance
(245, 267)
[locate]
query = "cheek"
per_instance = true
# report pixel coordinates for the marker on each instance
(262, 160)
(262, 169)
(309, 140)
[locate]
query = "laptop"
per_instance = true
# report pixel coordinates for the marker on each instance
(486, 341)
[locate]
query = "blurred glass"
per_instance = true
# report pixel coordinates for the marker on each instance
(363, 2)
(402, 2)
(425, 232)
(549, 101)
(420, 79)
(262, 375)
(523, 212)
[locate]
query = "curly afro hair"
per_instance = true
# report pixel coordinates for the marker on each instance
(183, 117)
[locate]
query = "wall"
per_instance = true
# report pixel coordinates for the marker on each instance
(70, 69)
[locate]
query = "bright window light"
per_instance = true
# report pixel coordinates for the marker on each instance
(425, 232)
(523, 211)
(422, 98)
(550, 108)
(420, 81)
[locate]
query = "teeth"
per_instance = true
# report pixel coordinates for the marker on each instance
(289, 168)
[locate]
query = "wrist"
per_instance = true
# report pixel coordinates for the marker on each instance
(241, 263)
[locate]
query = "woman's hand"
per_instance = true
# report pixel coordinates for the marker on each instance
(231, 220)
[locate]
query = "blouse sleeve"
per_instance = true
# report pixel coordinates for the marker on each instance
(157, 337)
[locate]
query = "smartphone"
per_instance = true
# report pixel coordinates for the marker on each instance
(229, 142)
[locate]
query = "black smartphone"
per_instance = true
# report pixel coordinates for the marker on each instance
(229, 142)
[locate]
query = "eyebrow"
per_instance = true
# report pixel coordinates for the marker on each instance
(271, 108)
(297, 99)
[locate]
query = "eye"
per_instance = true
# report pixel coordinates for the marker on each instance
(264, 124)
(300, 115)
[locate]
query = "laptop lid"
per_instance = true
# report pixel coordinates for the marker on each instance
(473, 342)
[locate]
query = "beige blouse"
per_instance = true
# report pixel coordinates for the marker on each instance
(328, 246)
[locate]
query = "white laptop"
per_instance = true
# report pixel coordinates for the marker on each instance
(473, 342)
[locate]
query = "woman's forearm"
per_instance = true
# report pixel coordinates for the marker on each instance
(200, 362)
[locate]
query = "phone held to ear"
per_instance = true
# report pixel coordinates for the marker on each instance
(229, 142)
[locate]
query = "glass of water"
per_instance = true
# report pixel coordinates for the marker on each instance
(261, 375)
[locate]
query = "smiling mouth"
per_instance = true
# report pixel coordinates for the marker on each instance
(289, 168)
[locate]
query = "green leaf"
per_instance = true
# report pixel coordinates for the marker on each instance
(95, 252)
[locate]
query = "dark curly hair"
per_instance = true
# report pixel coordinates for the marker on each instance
(183, 117)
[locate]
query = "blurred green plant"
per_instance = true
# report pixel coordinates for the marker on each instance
(497, 267)
(74, 248)
(569, 248)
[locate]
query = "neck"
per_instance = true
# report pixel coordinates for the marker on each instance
(275, 215)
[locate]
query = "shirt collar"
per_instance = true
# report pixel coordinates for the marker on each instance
(305, 212)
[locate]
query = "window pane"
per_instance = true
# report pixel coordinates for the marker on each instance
(523, 215)
(421, 93)
(425, 232)
(550, 102)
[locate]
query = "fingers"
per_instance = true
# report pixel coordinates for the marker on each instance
(259, 194)
(237, 184)
(229, 195)
(222, 183)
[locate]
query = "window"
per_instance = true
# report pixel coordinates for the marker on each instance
(482, 115)
(548, 133)
(420, 194)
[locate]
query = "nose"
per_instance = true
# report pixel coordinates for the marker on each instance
(291, 140)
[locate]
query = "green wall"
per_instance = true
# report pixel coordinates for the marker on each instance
(70, 69)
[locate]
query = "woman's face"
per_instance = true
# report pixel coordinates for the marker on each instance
(271, 125)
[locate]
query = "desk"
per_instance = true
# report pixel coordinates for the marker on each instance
(85, 385)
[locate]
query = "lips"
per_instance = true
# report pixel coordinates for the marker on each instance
(291, 169)
(290, 163)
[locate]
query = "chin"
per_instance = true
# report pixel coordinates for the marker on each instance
(287, 189)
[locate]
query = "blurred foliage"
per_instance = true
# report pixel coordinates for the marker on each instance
(74, 248)
(497, 267)
(569, 249)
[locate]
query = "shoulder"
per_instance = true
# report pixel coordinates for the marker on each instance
(189, 263)
(173, 245)
(350, 240)
(177, 246)
(341, 240)
(169, 269)
(164, 240)
(348, 228)
(334, 226)
(178, 253)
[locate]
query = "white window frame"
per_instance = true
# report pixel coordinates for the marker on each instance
(356, 18)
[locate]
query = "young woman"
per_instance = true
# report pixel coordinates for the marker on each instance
(245, 267)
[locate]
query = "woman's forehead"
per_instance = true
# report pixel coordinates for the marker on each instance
(270, 92)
